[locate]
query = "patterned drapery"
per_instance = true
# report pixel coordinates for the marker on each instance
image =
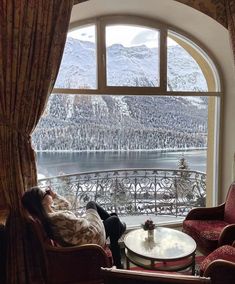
(223, 11)
(230, 12)
(32, 38)
(213, 8)
(78, 1)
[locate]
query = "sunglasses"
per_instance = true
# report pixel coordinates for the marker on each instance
(47, 192)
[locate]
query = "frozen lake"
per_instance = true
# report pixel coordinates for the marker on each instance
(57, 163)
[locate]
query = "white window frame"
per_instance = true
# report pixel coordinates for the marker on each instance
(199, 53)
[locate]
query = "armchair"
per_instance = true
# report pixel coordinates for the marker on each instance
(212, 227)
(77, 264)
(220, 265)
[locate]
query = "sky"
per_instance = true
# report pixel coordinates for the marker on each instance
(127, 35)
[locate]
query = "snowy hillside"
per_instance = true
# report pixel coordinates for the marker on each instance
(78, 122)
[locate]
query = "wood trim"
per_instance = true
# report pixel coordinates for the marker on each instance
(144, 91)
(113, 275)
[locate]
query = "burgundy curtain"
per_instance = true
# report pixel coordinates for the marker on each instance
(230, 13)
(223, 11)
(212, 8)
(32, 38)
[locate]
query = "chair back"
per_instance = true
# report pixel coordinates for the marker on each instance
(70, 265)
(229, 211)
(121, 276)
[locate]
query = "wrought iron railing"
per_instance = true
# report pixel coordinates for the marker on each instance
(133, 191)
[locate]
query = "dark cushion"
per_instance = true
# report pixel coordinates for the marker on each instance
(225, 252)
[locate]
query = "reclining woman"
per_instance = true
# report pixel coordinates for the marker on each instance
(67, 229)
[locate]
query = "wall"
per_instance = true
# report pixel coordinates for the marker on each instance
(210, 34)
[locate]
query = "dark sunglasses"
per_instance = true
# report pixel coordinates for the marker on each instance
(47, 192)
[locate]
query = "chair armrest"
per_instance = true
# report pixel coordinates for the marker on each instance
(76, 264)
(84, 251)
(207, 213)
(227, 235)
(221, 271)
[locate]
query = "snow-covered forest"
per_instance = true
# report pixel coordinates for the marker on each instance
(77, 122)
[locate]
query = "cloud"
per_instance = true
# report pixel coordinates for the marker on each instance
(145, 37)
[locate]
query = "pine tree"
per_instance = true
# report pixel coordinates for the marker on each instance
(183, 164)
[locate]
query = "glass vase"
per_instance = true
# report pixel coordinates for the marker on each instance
(151, 235)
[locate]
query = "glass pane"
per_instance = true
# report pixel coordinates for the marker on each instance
(132, 56)
(79, 63)
(183, 72)
(80, 133)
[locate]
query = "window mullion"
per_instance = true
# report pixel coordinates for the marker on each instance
(101, 56)
(163, 61)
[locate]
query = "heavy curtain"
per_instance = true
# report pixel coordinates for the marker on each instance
(230, 13)
(223, 11)
(32, 38)
(212, 8)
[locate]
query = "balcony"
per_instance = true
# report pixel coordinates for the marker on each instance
(165, 195)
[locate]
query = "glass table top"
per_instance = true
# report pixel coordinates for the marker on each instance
(167, 244)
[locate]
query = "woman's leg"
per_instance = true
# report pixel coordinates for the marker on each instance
(114, 228)
(102, 213)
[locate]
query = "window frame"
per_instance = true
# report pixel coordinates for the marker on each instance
(202, 56)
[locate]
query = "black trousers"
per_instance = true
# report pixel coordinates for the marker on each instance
(113, 229)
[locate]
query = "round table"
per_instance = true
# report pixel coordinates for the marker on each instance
(169, 250)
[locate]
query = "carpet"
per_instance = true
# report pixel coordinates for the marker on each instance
(187, 271)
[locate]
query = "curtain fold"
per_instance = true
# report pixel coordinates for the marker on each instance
(230, 13)
(32, 39)
(79, 1)
(212, 8)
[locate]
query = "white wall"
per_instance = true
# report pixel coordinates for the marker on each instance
(210, 34)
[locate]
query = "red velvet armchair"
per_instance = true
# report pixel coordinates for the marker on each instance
(220, 265)
(212, 227)
(70, 265)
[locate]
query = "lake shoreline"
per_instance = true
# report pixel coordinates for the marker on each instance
(117, 151)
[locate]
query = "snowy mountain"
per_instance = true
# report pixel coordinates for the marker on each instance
(76, 122)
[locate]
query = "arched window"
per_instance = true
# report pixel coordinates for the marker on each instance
(129, 83)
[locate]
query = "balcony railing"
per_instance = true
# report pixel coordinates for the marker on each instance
(133, 191)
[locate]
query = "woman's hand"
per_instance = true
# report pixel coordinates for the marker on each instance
(51, 192)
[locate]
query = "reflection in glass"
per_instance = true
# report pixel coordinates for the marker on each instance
(168, 243)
